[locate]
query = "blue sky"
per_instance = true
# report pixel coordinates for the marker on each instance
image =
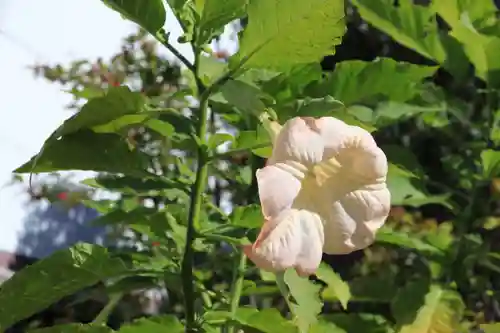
(53, 31)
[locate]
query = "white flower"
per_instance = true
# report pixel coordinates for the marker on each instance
(323, 190)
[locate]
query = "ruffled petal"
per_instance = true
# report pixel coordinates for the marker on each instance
(298, 141)
(353, 221)
(292, 239)
(354, 149)
(277, 189)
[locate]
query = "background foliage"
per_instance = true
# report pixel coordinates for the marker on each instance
(422, 76)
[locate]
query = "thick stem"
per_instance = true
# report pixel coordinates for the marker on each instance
(194, 213)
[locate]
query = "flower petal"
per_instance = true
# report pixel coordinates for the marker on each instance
(298, 141)
(277, 189)
(292, 239)
(354, 220)
(354, 149)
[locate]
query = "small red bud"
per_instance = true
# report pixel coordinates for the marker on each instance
(63, 196)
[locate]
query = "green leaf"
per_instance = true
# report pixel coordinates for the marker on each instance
(74, 328)
(215, 15)
(388, 113)
(251, 139)
(117, 102)
(490, 161)
(406, 191)
(210, 69)
(480, 49)
(163, 323)
(149, 14)
(490, 328)
(419, 308)
(65, 272)
(266, 321)
(410, 25)
(247, 216)
(306, 303)
(85, 150)
(335, 283)
(185, 12)
(388, 236)
(310, 107)
(356, 81)
(219, 138)
(362, 322)
(476, 11)
(242, 95)
(281, 34)
(134, 185)
(325, 327)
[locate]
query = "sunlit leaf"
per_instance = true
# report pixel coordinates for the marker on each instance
(306, 302)
(285, 33)
(335, 283)
(420, 308)
(356, 81)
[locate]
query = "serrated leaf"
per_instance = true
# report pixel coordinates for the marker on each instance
(214, 16)
(415, 27)
(356, 81)
(440, 312)
(149, 14)
(281, 34)
(335, 283)
(86, 150)
(63, 273)
(480, 49)
(410, 25)
(74, 328)
(163, 323)
(306, 302)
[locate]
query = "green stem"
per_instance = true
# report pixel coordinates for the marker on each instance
(237, 285)
(193, 223)
(194, 213)
(102, 317)
(239, 150)
(162, 37)
(285, 292)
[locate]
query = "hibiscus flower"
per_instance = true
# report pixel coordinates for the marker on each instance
(323, 190)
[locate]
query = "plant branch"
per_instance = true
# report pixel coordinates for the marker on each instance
(238, 150)
(162, 37)
(102, 317)
(194, 213)
(237, 285)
